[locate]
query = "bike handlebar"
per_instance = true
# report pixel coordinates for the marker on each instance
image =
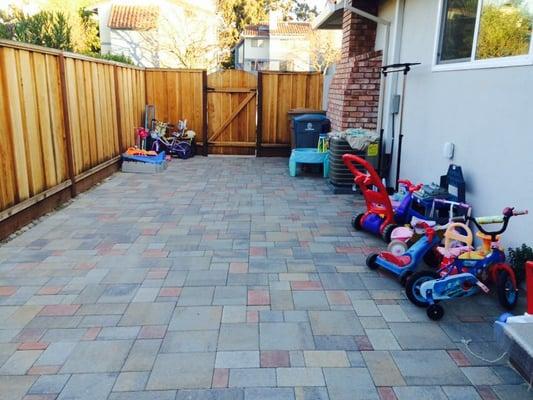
(507, 213)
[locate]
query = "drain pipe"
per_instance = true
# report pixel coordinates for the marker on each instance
(387, 24)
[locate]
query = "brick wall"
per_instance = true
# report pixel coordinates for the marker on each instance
(354, 90)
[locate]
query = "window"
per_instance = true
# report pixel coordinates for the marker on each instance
(475, 31)
(258, 42)
(257, 65)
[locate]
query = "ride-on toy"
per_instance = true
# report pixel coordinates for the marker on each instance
(404, 265)
(468, 273)
(380, 217)
(402, 236)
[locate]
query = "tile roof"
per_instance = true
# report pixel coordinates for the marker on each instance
(138, 18)
(284, 29)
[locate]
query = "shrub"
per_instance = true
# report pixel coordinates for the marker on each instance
(518, 258)
(121, 58)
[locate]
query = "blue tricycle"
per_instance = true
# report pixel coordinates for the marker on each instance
(467, 274)
(404, 265)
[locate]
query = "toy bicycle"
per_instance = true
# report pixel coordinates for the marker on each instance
(380, 218)
(404, 265)
(179, 145)
(467, 274)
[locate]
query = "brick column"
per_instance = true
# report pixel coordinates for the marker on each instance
(354, 90)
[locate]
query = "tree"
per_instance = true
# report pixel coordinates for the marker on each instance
(84, 27)
(237, 14)
(325, 49)
(303, 11)
(45, 28)
(504, 31)
(179, 41)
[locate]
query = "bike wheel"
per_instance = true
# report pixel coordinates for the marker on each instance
(507, 291)
(435, 312)
(412, 287)
(432, 258)
(371, 261)
(387, 232)
(356, 221)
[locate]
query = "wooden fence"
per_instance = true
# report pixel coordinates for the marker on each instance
(66, 118)
(177, 95)
(278, 93)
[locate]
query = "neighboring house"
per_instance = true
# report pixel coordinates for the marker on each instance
(276, 46)
(472, 89)
(166, 34)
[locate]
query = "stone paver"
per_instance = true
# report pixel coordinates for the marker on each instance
(226, 279)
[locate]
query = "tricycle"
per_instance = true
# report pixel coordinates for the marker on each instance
(469, 272)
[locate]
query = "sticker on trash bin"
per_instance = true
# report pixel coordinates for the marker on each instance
(309, 127)
(372, 150)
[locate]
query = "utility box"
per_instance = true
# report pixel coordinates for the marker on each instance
(306, 129)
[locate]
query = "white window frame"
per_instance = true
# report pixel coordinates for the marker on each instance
(257, 41)
(511, 61)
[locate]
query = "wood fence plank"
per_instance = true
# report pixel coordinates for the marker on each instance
(14, 108)
(45, 124)
(7, 178)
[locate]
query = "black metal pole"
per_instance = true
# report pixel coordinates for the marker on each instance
(398, 161)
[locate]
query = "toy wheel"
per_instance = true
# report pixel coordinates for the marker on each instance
(356, 221)
(371, 261)
(507, 292)
(435, 312)
(387, 232)
(405, 277)
(397, 247)
(412, 287)
(432, 258)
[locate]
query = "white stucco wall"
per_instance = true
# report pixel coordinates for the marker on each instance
(256, 53)
(291, 49)
(486, 113)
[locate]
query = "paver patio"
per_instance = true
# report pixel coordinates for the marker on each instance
(225, 278)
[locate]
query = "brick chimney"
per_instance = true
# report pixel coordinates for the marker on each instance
(354, 90)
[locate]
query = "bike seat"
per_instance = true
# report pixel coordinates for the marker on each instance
(453, 251)
(400, 261)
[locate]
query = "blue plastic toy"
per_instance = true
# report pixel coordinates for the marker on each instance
(403, 266)
(467, 274)
(308, 156)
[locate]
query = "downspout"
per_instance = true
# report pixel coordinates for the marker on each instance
(387, 25)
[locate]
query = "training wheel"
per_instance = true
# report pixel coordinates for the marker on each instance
(435, 312)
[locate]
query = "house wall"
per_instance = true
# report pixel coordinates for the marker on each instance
(177, 27)
(256, 53)
(486, 113)
(291, 49)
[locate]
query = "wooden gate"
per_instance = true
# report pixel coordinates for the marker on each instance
(231, 112)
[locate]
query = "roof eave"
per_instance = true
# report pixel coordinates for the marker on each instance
(331, 17)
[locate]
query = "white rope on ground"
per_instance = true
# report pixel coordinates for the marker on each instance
(467, 342)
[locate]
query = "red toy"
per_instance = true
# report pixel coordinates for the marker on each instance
(379, 216)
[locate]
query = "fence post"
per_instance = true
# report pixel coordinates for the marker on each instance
(259, 128)
(66, 123)
(119, 115)
(204, 113)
